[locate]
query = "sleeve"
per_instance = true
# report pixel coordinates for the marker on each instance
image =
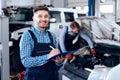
(62, 39)
(54, 40)
(26, 48)
(86, 38)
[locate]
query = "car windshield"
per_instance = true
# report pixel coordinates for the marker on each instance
(22, 14)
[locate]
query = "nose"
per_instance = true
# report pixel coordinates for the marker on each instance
(43, 18)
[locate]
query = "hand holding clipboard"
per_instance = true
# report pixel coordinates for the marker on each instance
(61, 53)
(57, 59)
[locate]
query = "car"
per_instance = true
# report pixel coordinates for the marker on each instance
(59, 18)
(106, 37)
(17, 28)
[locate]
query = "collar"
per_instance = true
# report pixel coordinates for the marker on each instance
(38, 30)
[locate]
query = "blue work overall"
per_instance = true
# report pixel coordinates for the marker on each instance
(68, 42)
(45, 72)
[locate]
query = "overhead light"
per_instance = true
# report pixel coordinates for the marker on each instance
(102, 1)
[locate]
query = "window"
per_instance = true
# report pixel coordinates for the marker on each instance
(22, 14)
(56, 15)
(106, 8)
(69, 16)
(103, 8)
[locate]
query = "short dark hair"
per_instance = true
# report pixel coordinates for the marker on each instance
(37, 8)
(74, 24)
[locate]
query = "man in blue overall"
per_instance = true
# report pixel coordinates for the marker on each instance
(35, 50)
(72, 37)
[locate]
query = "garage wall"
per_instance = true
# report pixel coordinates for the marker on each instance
(60, 3)
(74, 3)
(20, 2)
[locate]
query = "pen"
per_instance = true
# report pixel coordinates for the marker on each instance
(51, 47)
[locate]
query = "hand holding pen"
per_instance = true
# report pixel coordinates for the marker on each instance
(54, 52)
(51, 47)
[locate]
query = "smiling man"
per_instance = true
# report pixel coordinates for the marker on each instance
(35, 50)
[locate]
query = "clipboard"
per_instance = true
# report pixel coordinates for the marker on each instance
(62, 54)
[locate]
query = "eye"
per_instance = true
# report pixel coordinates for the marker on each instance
(40, 16)
(46, 16)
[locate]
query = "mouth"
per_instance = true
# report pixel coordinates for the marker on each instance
(43, 27)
